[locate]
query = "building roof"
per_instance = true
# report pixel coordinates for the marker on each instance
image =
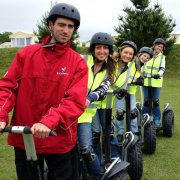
(21, 34)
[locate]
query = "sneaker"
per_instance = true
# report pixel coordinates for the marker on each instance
(157, 122)
(120, 138)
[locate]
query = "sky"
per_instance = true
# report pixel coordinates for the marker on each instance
(96, 15)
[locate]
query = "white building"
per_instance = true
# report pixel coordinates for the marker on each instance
(5, 45)
(21, 39)
(177, 36)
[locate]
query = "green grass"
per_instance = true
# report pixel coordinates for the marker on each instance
(164, 164)
(7, 167)
(6, 57)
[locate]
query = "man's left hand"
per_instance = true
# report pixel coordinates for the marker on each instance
(40, 130)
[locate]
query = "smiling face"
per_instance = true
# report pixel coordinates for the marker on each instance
(127, 54)
(158, 48)
(101, 52)
(144, 57)
(62, 30)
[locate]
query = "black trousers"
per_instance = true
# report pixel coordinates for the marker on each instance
(60, 166)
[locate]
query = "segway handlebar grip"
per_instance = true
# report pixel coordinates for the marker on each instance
(52, 133)
(149, 76)
(7, 129)
(23, 130)
(17, 129)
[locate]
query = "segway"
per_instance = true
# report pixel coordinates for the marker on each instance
(116, 169)
(32, 161)
(167, 120)
(167, 116)
(131, 152)
(146, 126)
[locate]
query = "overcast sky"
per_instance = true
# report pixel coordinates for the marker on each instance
(96, 15)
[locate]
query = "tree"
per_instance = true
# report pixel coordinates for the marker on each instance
(143, 24)
(4, 37)
(43, 31)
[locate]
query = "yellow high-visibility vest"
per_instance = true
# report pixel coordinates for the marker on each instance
(120, 83)
(152, 68)
(94, 82)
(134, 74)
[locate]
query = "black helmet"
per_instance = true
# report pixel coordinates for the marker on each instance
(147, 50)
(159, 41)
(130, 43)
(101, 38)
(66, 11)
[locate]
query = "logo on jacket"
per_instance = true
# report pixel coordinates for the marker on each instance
(63, 71)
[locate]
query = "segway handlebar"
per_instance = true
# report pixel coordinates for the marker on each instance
(23, 130)
(150, 76)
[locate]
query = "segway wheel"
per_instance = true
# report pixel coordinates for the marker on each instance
(149, 145)
(123, 175)
(135, 168)
(168, 123)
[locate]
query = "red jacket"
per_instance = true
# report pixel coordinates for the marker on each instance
(47, 85)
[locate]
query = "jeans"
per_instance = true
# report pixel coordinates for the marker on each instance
(155, 108)
(99, 120)
(85, 141)
(120, 104)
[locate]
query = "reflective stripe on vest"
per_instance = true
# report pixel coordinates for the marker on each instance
(152, 68)
(122, 80)
(133, 77)
(94, 82)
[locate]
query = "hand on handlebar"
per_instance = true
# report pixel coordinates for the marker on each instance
(121, 93)
(2, 126)
(156, 76)
(40, 130)
(139, 81)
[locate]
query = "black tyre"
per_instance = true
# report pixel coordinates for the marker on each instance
(168, 123)
(149, 145)
(135, 168)
(123, 175)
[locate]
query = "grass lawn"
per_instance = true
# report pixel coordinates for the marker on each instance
(163, 165)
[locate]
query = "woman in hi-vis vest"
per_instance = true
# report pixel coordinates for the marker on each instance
(135, 78)
(127, 52)
(153, 72)
(101, 68)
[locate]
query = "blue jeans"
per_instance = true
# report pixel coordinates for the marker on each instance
(155, 108)
(99, 120)
(120, 104)
(85, 141)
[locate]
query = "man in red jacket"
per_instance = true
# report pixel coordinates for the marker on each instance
(46, 85)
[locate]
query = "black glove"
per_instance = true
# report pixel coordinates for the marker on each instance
(156, 76)
(121, 93)
(140, 81)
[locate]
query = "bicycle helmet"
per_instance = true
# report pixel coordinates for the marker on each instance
(65, 10)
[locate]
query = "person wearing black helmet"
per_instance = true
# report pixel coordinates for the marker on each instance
(125, 56)
(135, 78)
(62, 21)
(154, 71)
(47, 84)
(101, 73)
